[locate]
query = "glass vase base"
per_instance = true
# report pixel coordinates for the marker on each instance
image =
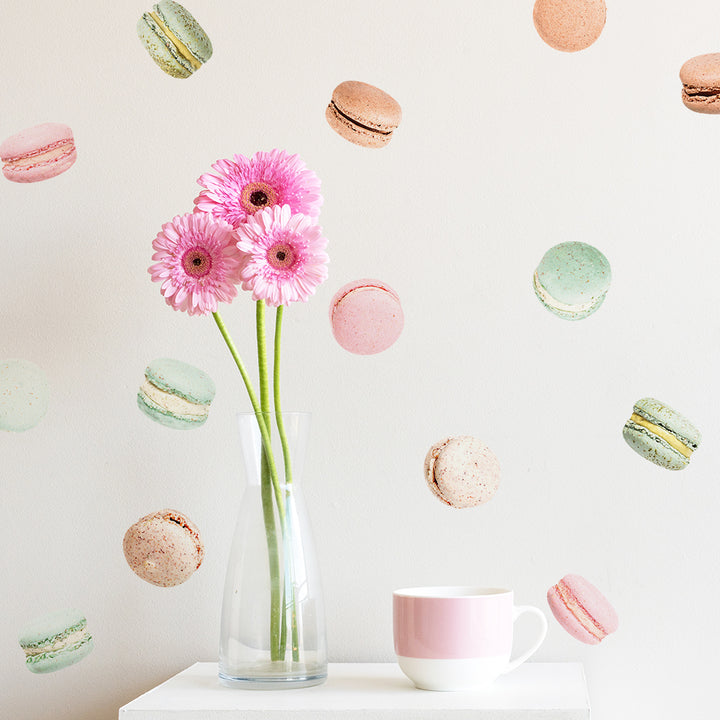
(271, 680)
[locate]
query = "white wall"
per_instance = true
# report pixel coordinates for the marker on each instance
(506, 148)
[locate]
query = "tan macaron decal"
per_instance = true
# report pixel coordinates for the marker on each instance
(569, 25)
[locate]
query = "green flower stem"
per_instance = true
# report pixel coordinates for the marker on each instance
(278, 626)
(288, 478)
(268, 511)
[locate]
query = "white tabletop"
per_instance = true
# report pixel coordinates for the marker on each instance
(535, 691)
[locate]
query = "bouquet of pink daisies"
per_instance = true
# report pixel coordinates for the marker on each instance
(254, 225)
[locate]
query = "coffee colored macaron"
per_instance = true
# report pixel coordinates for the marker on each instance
(24, 394)
(174, 39)
(163, 548)
(661, 435)
(363, 114)
(582, 609)
(38, 153)
(700, 77)
(176, 394)
(366, 316)
(462, 471)
(572, 280)
(569, 25)
(55, 641)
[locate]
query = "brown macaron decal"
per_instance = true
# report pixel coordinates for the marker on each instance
(363, 114)
(700, 77)
(569, 25)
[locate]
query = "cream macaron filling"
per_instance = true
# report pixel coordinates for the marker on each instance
(668, 437)
(173, 403)
(44, 155)
(556, 304)
(579, 612)
(181, 47)
(58, 642)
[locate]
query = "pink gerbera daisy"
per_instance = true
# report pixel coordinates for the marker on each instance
(244, 186)
(286, 258)
(198, 263)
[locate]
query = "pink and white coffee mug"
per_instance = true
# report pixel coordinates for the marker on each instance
(457, 638)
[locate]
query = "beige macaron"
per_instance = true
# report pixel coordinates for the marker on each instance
(569, 25)
(163, 548)
(462, 471)
(700, 77)
(363, 114)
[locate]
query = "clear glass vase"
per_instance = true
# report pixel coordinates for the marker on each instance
(272, 632)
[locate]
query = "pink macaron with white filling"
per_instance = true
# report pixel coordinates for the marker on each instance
(582, 609)
(38, 153)
(366, 316)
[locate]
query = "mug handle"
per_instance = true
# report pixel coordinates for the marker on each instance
(519, 610)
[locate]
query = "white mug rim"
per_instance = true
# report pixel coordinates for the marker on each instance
(451, 592)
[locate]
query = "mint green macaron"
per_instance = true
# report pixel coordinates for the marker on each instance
(572, 280)
(174, 39)
(661, 435)
(176, 394)
(55, 641)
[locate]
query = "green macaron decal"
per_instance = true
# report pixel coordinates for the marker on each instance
(572, 280)
(661, 435)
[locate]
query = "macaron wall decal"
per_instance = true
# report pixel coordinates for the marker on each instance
(174, 39)
(164, 548)
(572, 280)
(700, 77)
(569, 25)
(363, 114)
(462, 471)
(38, 153)
(55, 641)
(176, 394)
(24, 395)
(661, 435)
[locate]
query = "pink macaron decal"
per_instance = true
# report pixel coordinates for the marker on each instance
(582, 610)
(38, 153)
(366, 317)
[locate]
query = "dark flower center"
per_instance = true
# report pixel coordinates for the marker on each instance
(197, 262)
(258, 195)
(281, 256)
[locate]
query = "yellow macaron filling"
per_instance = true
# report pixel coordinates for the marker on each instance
(176, 41)
(669, 438)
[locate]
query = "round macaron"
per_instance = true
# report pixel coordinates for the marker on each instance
(163, 548)
(24, 395)
(569, 25)
(582, 609)
(55, 641)
(572, 280)
(38, 153)
(462, 471)
(176, 394)
(363, 114)
(174, 39)
(661, 435)
(700, 77)
(366, 316)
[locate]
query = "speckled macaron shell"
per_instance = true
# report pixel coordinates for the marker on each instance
(174, 39)
(569, 25)
(176, 394)
(55, 641)
(582, 610)
(24, 395)
(38, 153)
(572, 280)
(462, 471)
(661, 435)
(700, 77)
(366, 316)
(163, 548)
(363, 114)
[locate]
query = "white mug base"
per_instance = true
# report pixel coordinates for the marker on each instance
(455, 674)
